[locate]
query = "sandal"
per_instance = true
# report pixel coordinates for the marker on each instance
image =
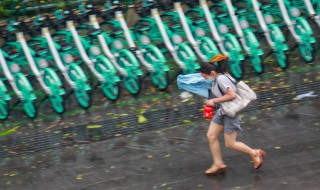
(214, 170)
(258, 158)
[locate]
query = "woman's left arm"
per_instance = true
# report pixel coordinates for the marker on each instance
(229, 95)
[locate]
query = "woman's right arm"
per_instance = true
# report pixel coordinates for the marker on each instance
(228, 96)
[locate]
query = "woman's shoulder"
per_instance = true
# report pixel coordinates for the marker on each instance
(225, 78)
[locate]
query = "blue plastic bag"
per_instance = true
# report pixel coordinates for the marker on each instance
(194, 83)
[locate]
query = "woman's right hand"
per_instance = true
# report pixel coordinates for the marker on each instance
(210, 102)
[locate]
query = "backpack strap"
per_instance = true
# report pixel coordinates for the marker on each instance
(219, 87)
(234, 82)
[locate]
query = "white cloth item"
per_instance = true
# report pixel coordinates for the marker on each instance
(185, 95)
(305, 95)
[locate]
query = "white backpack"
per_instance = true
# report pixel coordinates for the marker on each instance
(244, 96)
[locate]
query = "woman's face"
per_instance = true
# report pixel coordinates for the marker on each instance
(211, 76)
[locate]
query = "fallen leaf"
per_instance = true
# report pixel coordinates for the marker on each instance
(9, 131)
(94, 126)
(142, 119)
(79, 177)
(185, 100)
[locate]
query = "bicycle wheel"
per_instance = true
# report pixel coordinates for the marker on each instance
(187, 56)
(132, 84)
(52, 80)
(160, 79)
(80, 92)
(4, 109)
(82, 97)
(110, 88)
(306, 48)
(282, 59)
(26, 89)
(57, 103)
(29, 108)
(235, 64)
(236, 68)
(307, 51)
(160, 76)
(255, 56)
(280, 48)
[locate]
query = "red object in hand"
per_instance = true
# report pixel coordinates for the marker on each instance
(208, 112)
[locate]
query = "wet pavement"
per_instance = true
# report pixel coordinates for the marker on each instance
(176, 156)
(157, 140)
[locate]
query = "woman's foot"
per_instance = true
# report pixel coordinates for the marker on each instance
(216, 169)
(258, 158)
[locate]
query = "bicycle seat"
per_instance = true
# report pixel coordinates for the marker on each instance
(241, 11)
(95, 32)
(65, 46)
(222, 15)
(116, 32)
(144, 28)
(174, 25)
(40, 50)
(12, 55)
(133, 49)
(198, 20)
(266, 7)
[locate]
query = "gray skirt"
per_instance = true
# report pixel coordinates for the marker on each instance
(231, 124)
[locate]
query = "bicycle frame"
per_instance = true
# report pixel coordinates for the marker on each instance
(82, 52)
(79, 83)
(119, 17)
(312, 12)
(5, 97)
(300, 30)
(247, 37)
(105, 47)
(47, 77)
(224, 41)
(180, 50)
(123, 59)
(150, 56)
(273, 34)
(19, 82)
(187, 24)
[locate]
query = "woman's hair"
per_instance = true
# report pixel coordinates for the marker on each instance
(217, 63)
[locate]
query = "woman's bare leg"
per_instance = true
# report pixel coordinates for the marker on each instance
(212, 135)
(230, 142)
(255, 154)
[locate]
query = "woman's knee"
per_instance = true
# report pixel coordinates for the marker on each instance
(212, 137)
(229, 144)
(230, 140)
(214, 131)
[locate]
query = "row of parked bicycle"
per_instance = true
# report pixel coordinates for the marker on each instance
(99, 41)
